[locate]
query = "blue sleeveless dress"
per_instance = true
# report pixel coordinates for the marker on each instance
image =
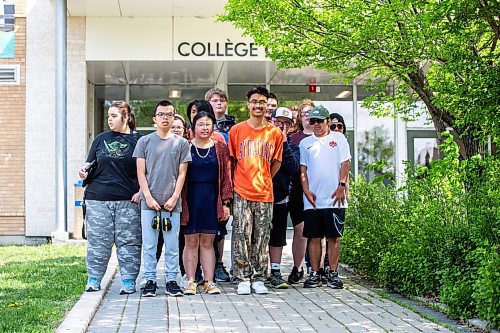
(202, 192)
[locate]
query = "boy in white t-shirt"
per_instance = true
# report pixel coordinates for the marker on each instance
(324, 171)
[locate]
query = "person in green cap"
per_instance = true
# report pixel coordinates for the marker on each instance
(324, 171)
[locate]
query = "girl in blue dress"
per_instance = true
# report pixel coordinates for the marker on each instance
(208, 192)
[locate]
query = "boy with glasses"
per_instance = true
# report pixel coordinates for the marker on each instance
(162, 160)
(218, 99)
(256, 147)
(324, 171)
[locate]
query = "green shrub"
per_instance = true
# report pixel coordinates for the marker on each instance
(369, 228)
(486, 288)
(437, 236)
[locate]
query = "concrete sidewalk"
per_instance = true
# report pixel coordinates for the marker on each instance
(352, 309)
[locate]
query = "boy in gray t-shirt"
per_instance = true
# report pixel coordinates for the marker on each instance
(162, 159)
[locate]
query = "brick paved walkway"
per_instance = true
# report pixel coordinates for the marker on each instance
(353, 309)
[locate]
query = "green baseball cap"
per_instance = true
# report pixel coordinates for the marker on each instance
(319, 112)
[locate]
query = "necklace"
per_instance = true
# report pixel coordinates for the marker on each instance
(198, 153)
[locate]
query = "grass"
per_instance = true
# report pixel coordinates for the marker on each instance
(38, 285)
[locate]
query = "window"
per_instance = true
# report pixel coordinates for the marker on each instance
(10, 74)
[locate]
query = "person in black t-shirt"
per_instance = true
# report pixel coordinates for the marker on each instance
(112, 197)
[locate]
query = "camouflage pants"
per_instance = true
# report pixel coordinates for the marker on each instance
(251, 230)
(108, 223)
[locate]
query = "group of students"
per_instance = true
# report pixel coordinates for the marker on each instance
(178, 186)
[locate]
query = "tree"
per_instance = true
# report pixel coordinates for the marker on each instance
(443, 52)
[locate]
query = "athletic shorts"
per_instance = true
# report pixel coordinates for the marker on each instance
(324, 222)
(221, 230)
(296, 212)
(279, 223)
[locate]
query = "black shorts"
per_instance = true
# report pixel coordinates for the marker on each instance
(324, 222)
(279, 223)
(296, 212)
(221, 230)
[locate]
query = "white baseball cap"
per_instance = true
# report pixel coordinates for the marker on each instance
(283, 112)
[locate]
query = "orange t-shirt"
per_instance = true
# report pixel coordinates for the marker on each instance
(254, 150)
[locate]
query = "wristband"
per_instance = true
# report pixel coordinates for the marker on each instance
(342, 184)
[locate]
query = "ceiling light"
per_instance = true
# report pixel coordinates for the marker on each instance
(174, 94)
(344, 94)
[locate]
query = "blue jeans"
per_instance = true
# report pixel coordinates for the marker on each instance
(150, 241)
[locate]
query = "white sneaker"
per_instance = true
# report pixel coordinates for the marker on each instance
(259, 288)
(244, 288)
(184, 282)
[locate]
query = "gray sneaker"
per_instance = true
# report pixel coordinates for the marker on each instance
(221, 275)
(277, 281)
(334, 280)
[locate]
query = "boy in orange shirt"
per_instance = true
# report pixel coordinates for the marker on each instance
(256, 147)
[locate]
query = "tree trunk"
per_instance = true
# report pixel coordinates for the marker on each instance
(469, 146)
(472, 146)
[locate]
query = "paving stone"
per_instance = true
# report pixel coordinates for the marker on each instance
(297, 309)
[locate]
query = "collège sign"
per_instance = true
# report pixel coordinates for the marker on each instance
(200, 38)
(226, 49)
(168, 38)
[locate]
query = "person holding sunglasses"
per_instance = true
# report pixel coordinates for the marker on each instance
(324, 170)
(162, 159)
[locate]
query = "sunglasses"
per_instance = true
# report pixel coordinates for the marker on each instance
(339, 126)
(316, 121)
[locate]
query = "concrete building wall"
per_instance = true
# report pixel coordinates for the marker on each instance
(40, 122)
(77, 107)
(40, 125)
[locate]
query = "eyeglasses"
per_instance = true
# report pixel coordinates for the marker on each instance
(303, 114)
(202, 125)
(177, 127)
(222, 100)
(316, 121)
(339, 126)
(255, 102)
(164, 115)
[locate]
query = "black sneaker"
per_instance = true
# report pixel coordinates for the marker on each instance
(220, 274)
(313, 281)
(172, 289)
(277, 281)
(149, 289)
(295, 276)
(334, 280)
(323, 273)
(198, 278)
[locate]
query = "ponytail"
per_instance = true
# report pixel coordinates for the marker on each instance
(131, 121)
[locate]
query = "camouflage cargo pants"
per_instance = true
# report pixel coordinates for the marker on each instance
(108, 223)
(251, 231)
